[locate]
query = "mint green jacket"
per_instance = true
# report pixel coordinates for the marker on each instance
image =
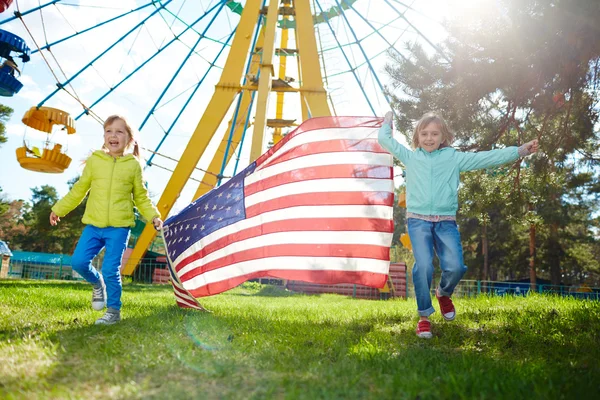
(432, 179)
(115, 186)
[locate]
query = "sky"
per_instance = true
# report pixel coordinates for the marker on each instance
(136, 95)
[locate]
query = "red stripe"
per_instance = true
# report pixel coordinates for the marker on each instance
(321, 172)
(318, 123)
(328, 146)
(323, 276)
(292, 225)
(322, 199)
(293, 250)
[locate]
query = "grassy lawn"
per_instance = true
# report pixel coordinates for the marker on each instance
(262, 342)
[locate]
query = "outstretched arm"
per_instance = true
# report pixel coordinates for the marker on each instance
(387, 141)
(494, 158)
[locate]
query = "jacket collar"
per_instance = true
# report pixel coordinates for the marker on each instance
(105, 156)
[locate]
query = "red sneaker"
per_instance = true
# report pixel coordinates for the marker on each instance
(424, 329)
(446, 307)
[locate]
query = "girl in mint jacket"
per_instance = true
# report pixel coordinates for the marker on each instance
(115, 184)
(432, 177)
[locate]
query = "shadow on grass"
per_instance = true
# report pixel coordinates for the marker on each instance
(253, 347)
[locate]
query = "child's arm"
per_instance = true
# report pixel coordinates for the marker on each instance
(387, 141)
(493, 158)
(75, 195)
(142, 200)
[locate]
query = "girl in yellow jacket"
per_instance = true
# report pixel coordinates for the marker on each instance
(114, 181)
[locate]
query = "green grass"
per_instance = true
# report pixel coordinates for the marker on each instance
(262, 342)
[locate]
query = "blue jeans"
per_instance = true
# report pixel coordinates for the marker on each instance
(444, 238)
(90, 243)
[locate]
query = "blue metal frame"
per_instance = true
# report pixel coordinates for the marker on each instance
(343, 14)
(166, 133)
(61, 85)
(20, 14)
(93, 27)
(144, 63)
(237, 108)
(347, 60)
(418, 31)
(202, 35)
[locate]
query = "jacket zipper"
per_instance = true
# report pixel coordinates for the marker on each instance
(430, 184)
(110, 191)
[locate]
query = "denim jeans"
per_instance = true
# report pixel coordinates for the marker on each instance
(90, 243)
(444, 238)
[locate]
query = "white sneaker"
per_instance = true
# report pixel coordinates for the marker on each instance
(99, 295)
(110, 317)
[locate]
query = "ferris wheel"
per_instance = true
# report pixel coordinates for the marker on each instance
(211, 83)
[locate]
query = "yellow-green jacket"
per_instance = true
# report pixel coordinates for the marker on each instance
(115, 186)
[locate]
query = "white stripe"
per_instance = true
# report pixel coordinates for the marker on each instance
(316, 160)
(191, 304)
(337, 211)
(321, 186)
(316, 264)
(320, 135)
(294, 237)
(183, 296)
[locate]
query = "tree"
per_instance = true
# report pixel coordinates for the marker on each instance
(5, 113)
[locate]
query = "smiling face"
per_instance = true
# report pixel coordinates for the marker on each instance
(430, 137)
(116, 137)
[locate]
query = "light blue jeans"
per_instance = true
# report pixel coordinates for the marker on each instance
(444, 238)
(90, 243)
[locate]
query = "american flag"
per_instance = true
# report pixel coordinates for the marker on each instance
(316, 207)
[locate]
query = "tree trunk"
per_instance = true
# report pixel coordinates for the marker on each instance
(532, 276)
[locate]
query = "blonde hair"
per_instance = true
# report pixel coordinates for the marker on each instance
(132, 139)
(427, 119)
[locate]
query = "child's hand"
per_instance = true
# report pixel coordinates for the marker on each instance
(157, 222)
(54, 219)
(389, 119)
(532, 146)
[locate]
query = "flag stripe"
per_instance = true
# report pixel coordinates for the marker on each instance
(321, 186)
(321, 172)
(313, 238)
(331, 199)
(361, 159)
(317, 276)
(305, 212)
(282, 250)
(329, 146)
(291, 225)
(299, 138)
(364, 265)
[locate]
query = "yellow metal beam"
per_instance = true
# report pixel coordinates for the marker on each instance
(209, 180)
(225, 92)
(264, 81)
(277, 136)
(314, 94)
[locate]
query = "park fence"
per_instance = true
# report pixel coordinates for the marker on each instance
(154, 271)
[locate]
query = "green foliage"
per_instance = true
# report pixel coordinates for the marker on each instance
(5, 113)
(258, 344)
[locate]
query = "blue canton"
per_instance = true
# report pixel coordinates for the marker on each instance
(217, 209)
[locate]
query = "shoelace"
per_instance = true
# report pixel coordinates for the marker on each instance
(98, 292)
(108, 317)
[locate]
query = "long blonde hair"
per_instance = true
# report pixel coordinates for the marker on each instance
(132, 139)
(427, 119)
